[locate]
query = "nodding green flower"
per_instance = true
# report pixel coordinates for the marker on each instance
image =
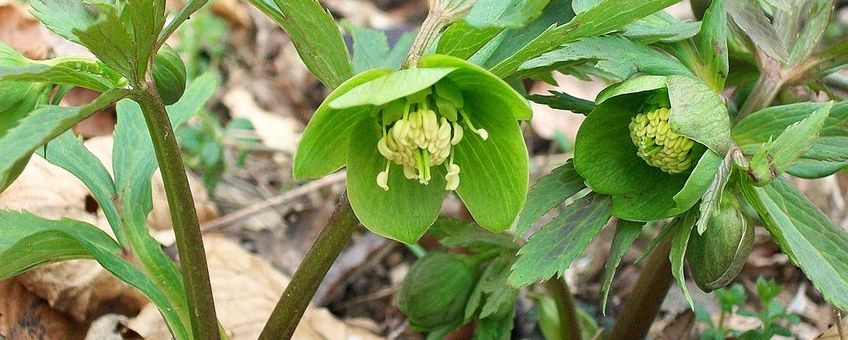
(654, 144)
(409, 137)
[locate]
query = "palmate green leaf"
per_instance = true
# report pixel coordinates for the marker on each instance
(827, 155)
(408, 208)
(371, 49)
(748, 16)
(68, 71)
(551, 250)
(712, 44)
(67, 152)
(660, 27)
(45, 124)
(608, 16)
(679, 243)
(109, 40)
(815, 23)
(806, 235)
(548, 192)
(63, 17)
(769, 123)
(462, 40)
(564, 101)
(773, 158)
(323, 148)
(615, 58)
(27, 241)
(510, 41)
(625, 233)
(657, 27)
(315, 35)
(499, 13)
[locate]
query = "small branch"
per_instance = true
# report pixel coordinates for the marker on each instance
(291, 195)
(204, 322)
(646, 296)
(304, 283)
(568, 324)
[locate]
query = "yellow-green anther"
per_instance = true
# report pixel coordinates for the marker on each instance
(419, 135)
(658, 145)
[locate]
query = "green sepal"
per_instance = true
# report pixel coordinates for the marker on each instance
(699, 113)
(391, 86)
(494, 174)
(478, 84)
(699, 181)
(631, 86)
(408, 208)
(323, 148)
(605, 156)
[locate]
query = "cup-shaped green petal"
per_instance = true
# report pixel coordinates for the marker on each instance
(606, 156)
(473, 78)
(494, 186)
(407, 209)
(323, 148)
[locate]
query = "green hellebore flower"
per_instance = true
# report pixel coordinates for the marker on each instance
(408, 137)
(654, 144)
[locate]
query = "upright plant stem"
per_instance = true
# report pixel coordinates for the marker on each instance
(772, 79)
(647, 295)
(309, 274)
(569, 326)
(204, 322)
(430, 29)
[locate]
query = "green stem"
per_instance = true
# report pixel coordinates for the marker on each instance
(772, 79)
(646, 297)
(430, 28)
(204, 322)
(568, 324)
(304, 283)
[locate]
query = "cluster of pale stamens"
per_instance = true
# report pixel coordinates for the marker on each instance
(658, 144)
(422, 138)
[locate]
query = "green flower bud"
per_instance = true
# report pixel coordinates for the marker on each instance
(717, 256)
(169, 74)
(435, 291)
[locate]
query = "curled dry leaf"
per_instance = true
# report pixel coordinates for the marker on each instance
(246, 288)
(24, 316)
(80, 287)
(22, 31)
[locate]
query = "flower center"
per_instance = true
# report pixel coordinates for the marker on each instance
(658, 145)
(429, 126)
